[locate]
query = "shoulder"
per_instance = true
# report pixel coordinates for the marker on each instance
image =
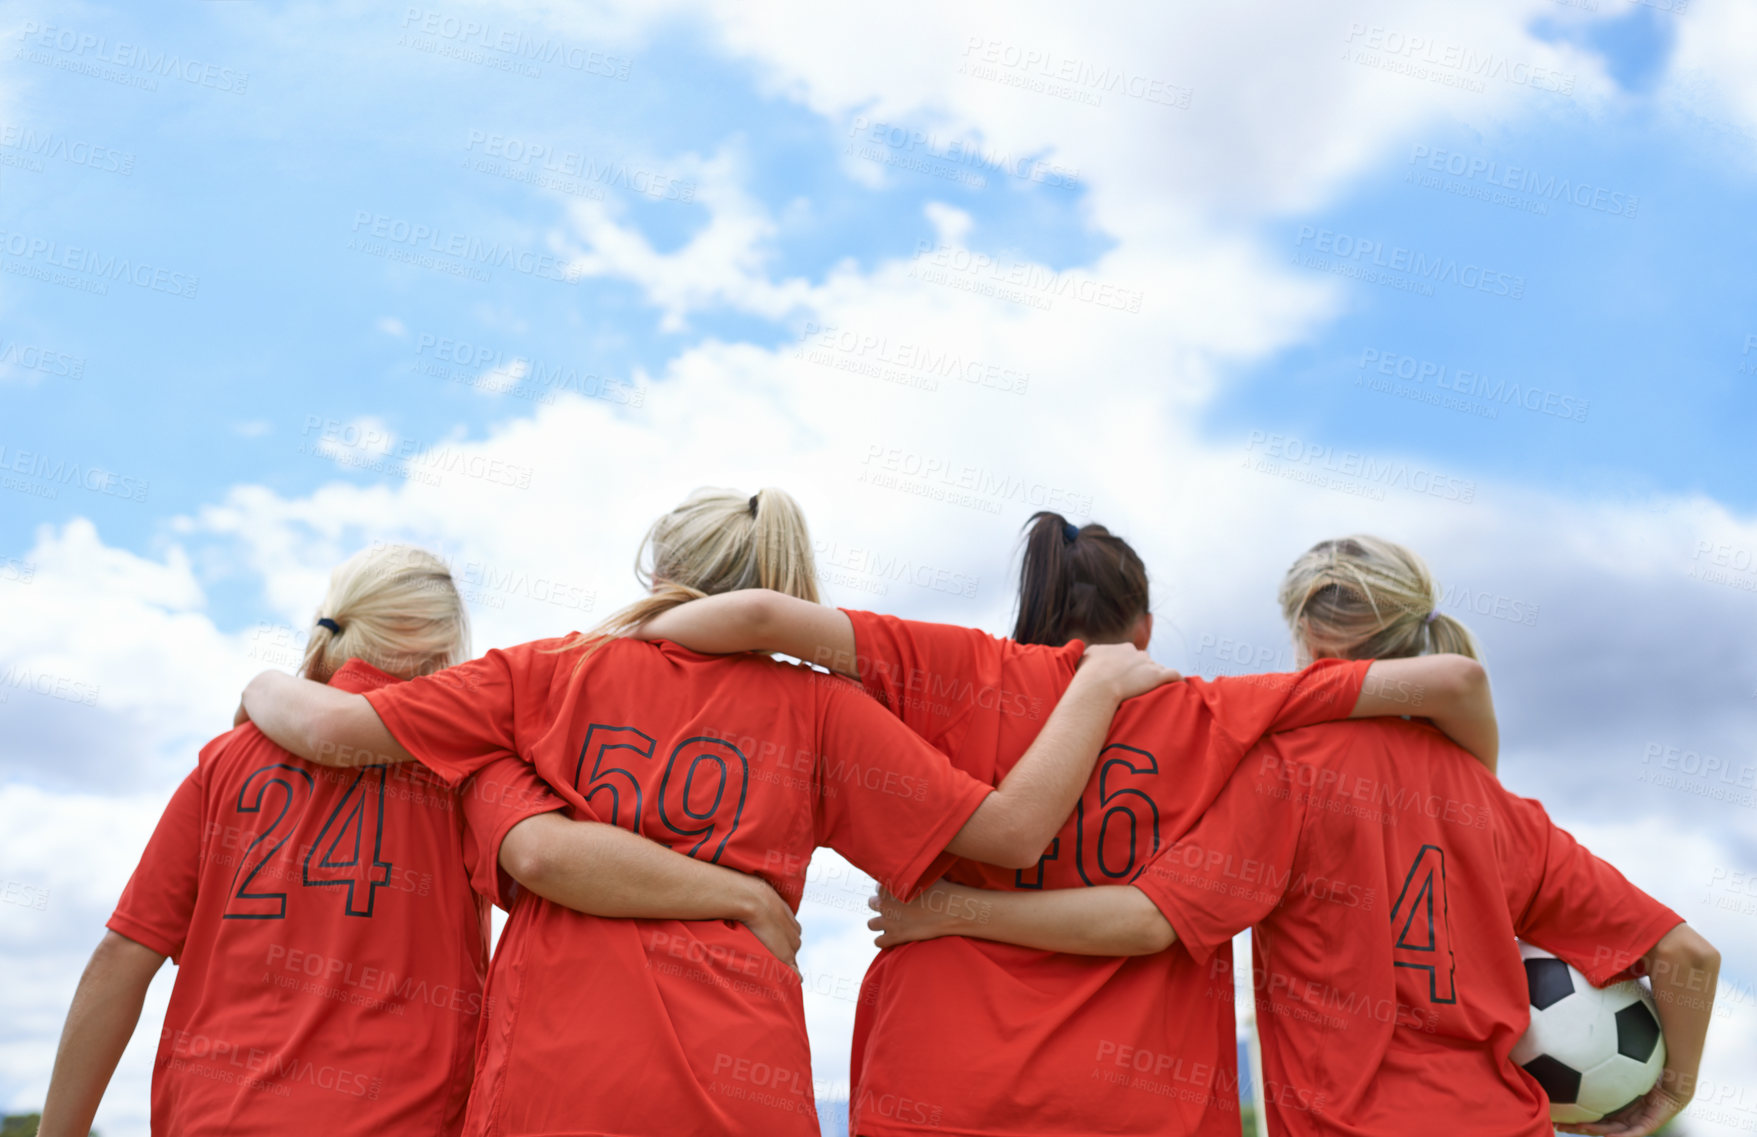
(1346, 740)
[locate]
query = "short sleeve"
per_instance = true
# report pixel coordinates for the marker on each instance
(1233, 867)
(1575, 905)
(1249, 706)
(917, 670)
(459, 720)
(157, 906)
(888, 801)
(494, 799)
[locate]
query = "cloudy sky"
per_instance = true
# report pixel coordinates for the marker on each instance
(510, 280)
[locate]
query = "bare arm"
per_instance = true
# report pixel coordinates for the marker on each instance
(1685, 969)
(1106, 920)
(1452, 690)
(320, 723)
(1013, 824)
(105, 1010)
(604, 870)
(758, 619)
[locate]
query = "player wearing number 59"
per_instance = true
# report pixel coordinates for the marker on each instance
(669, 1027)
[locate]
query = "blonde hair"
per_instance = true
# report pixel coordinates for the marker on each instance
(717, 541)
(397, 608)
(1365, 597)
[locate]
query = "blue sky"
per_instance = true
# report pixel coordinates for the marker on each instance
(699, 190)
(258, 193)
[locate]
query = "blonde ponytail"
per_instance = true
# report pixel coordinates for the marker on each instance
(716, 541)
(393, 606)
(1367, 598)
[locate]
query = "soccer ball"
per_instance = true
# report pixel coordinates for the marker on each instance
(1593, 1049)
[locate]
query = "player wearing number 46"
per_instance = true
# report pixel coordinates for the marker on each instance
(1385, 878)
(963, 1036)
(672, 1028)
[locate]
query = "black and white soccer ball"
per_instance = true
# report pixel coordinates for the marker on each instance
(1593, 1049)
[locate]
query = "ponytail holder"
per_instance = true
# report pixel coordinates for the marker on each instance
(1069, 532)
(1432, 616)
(753, 498)
(326, 622)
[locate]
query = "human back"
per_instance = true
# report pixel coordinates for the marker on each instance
(1386, 876)
(721, 758)
(956, 1031)
(331, 950)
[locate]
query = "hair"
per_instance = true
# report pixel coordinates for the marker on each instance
(1077, 583)
(717, 541)
(398, 609)
(1365, 597)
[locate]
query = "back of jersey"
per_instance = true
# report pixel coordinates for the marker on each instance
(331, 951)
(1387, 875)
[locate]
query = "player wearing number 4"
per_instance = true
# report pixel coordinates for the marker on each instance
(686, 1027)
(964, 1036)
(1385, 878)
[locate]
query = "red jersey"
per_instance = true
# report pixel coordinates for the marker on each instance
(330, 951)
(668, 1027)
(1387, 874)
(959, 1035)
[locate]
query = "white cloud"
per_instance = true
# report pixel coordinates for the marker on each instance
(920, 421)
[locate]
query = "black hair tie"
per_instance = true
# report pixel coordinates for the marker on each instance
(753, 498)
(326, 622)
(1070, 531)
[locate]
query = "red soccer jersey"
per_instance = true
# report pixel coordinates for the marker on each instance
(962, 1035)
(668, 1027)
(330, 950)
(1387, 874)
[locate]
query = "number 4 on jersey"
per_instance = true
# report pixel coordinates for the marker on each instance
(342, 859)
(1421, 926)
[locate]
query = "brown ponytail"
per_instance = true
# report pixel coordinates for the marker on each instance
(1077, 582)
